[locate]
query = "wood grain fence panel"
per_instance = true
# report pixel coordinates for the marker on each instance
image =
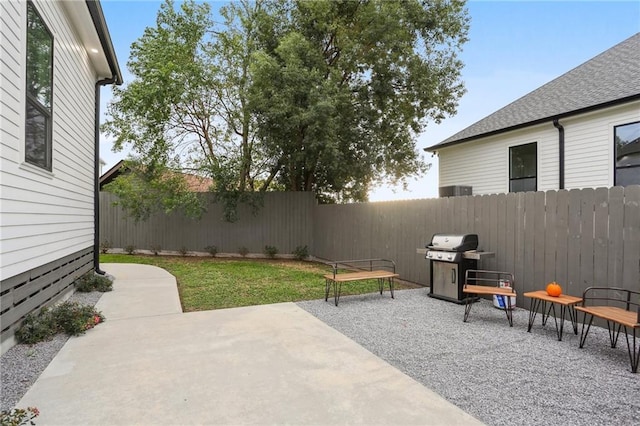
(538, 242)
(501, 234)
(509, 230)
(573, 285)
(615, 245)
(550, 215)
(562, 237)
(601, 236)
(519, 240)
(529, 239)
(631, 266)
(492, 219)
(587, 206)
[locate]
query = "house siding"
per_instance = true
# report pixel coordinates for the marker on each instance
(484, 163)
(45, 216)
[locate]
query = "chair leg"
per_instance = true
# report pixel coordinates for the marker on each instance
(467, 308)
(634, 351)
(509, 311)
(583, 335)
(391, 284)
(613, 333)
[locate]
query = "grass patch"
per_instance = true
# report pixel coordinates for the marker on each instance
(213, 283)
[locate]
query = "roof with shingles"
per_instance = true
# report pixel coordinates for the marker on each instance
(609, 78)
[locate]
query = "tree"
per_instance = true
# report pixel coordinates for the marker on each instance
(324, 96)
(343, 95)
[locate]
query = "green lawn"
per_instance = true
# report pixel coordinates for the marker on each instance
(215, 283)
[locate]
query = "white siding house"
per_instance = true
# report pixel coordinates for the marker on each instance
(569, 126)
(48, 171)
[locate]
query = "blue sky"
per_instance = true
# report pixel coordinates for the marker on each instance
(514, 47)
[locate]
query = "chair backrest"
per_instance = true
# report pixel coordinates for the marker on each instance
(488, 278)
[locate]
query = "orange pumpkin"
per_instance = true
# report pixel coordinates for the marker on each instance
(554, 289)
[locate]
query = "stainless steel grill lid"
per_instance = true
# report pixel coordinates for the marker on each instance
(453, 242)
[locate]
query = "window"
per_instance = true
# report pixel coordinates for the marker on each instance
(39, 90)
(627, 149)
(523, 168)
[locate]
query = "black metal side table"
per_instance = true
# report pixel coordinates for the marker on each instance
(567, 303)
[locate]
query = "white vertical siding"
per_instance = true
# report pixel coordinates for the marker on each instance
(484, 163)
(45, 216)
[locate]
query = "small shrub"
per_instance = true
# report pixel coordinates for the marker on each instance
(301, 252)
(243, 251)
(130, 249)
(183, 251)
(37, 327)
(105, 246)
(71, 318)
(19, 416)
(156, 250)
(92, 282)
(212, 250)
(270, 251)
(74, 318)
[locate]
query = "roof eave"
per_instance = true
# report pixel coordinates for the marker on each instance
(435, 148)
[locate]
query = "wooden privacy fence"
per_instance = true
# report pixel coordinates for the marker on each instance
(578, 238)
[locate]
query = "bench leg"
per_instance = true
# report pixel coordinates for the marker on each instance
(573, 314)
(533, 311)
(327, 287)
(583, 334)
(634, 351)
(337, 288)
(509, 311)
(381, 285)
(391, 284)
(467, 308)
(613, 334)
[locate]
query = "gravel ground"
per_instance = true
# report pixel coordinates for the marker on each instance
(21, 365)
(500, 375)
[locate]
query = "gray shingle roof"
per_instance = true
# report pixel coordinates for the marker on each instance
(609, 78)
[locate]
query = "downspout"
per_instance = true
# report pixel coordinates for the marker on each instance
(558, 126)
(96, 176)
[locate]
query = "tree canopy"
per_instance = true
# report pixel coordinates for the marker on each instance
(323, 96)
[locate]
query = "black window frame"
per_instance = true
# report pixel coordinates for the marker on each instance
(513, 179)
(615, 156)
(34, 108)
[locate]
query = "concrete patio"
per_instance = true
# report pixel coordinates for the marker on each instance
(149, 363)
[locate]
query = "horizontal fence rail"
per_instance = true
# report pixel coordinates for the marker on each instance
(578, 238)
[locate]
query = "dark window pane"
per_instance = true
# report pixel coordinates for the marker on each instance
(627, 145)
(523, 161)
(628, 176)
(36, 135)
(523, 185)
(39, 58)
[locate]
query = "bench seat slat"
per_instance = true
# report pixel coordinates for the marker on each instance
(612, 313)
(483, 289)
(363, 275)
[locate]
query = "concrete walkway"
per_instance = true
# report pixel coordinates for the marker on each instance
(151, 364)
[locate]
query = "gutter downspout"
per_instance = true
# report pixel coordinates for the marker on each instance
(96, 176)
(558, 126)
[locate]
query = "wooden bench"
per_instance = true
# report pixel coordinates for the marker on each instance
(621, 309)
(488, 283)
(383, 270)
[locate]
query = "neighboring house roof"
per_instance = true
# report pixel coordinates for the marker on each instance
(194, 182)
(610, 78)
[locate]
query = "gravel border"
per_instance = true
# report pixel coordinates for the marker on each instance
(500, 375)
(22, 364)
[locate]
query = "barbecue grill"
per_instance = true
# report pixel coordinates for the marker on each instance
(450, 256)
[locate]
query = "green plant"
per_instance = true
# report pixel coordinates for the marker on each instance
(92, 282)
(301, 252)
(105, 246)
(19, 416)
(37, 327)
(130, 249)
(270, 251)
(156, 249)
(74, 318)
(183, 251)
(212, 250)
(243, 251)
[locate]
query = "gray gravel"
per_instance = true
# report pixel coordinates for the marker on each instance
(501, 375)
(21, 365)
